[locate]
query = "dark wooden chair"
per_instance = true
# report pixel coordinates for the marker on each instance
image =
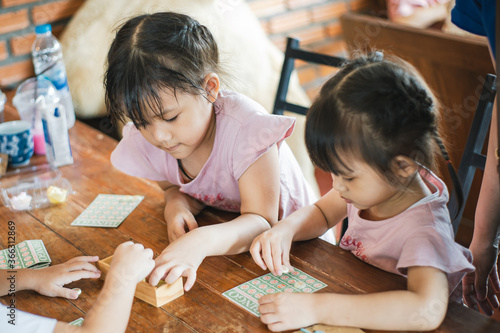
(472, 157)
(293, 52)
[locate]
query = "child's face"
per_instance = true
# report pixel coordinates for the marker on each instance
(366, 189)
(183, 129)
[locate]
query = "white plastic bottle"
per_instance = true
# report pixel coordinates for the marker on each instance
(48, 62)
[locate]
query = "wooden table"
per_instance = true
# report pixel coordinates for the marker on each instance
(203, 309)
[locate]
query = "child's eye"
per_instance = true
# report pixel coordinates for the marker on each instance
(348, 179)
(171, 119)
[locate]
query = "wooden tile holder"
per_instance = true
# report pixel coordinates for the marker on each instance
(157, 296)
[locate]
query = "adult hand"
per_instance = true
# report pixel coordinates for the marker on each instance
(131, 262)
(479, 287)
(50, 281)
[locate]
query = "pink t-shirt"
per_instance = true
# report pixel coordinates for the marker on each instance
(244, 132)
(422, 235)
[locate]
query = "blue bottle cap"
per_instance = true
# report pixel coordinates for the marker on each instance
(41, 29)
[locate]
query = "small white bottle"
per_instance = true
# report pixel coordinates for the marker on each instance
(48, 62)
(57, 146)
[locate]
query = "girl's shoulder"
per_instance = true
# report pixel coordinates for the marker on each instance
(239, 110)
(237, 105)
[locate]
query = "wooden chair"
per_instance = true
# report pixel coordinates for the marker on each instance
(472, 158)
(292, 52)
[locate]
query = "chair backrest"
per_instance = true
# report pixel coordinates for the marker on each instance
(472, 158)
(292, 52)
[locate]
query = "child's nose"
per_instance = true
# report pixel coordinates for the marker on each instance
(160, 133)
(337, 183)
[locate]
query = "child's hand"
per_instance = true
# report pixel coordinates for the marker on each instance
(271, 249)
(178, 259)
(286, 311)
(131, 262)
(178, 219)
(50, 281)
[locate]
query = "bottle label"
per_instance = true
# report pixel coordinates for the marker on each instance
(57, 75)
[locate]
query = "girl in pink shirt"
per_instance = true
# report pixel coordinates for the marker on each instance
(202, 145)
(374, 128)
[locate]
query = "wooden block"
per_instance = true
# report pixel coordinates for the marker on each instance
(157, 296)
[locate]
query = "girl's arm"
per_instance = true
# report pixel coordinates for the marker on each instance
(180, 210)
(271, 249)
(421, 307)
(50, 281)
(259, 191)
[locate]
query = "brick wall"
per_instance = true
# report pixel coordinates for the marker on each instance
(18, 19)
(315, 22)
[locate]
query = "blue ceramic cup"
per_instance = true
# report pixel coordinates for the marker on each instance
(16, 140)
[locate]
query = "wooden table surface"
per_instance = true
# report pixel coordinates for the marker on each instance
(203, 309)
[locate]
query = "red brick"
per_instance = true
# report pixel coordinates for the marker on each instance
(11, 3)
(3, 51)
(360, 4)
(54, 11)
(328, 12)
(300, 64)
(307, 74)
(16, 72)
(265, 8)
(13, 21)
(327, 71)
(22, 44)
(265, 26)
(292, 4)
(331, 48)
(313, 92)
(310, 35)
(279, 42)
(290, 21)
(334, 29)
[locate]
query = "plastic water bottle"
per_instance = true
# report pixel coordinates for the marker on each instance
(48, 62)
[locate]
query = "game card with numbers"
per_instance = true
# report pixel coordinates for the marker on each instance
(27, 254)
(247, 294)
(107, 210)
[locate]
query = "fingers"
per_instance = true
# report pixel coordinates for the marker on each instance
(286, 259)
(157, 274)
(84, 259)
(171, 274)
(485, 307)
(492, 298)
(65, 292)
(175, 231)
(267, 256)
(480, 285)
(177, 272)
(190, 221)
(276, 257)
(82, 274)
(494, 279)
(255, 250)
(80, 265)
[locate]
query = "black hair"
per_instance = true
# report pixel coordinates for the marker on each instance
(152, 53)
(376, 108)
